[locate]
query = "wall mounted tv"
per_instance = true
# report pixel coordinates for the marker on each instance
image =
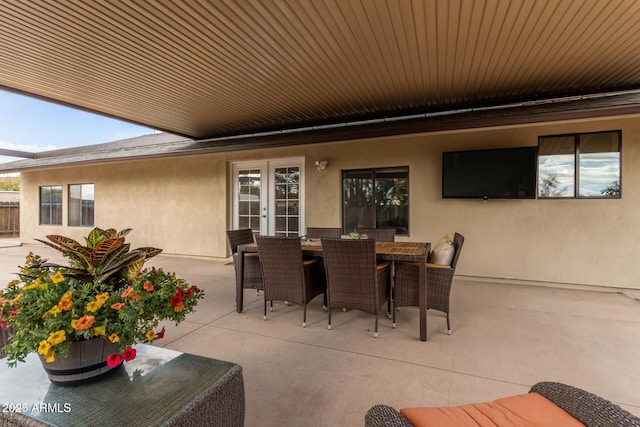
(507, 173)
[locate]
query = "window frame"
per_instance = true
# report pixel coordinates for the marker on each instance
(576, 166)
(50, 206)
(81, 215)
(374, 213)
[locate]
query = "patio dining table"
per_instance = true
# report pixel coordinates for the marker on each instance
(385, 251)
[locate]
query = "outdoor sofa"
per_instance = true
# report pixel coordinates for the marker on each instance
(546, 404)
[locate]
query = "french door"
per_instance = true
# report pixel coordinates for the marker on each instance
(268, 196)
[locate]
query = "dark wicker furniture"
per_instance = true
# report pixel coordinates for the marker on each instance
(287, 277)
(379, 234)
(439, 280)
(326, 232)
(160, 387)
(252, 270)
(354, 278)
(589, 409)
(385, 251)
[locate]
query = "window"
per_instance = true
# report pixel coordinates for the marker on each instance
(51, 205)
(585, 165)
(81, 209)
(376, 198)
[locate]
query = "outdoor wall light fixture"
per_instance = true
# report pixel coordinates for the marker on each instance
(321, 165)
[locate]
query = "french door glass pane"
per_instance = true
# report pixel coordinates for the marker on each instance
(287, 199)
(250, 183)
(243, 222)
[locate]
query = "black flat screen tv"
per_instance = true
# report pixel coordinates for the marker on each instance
(506, 173)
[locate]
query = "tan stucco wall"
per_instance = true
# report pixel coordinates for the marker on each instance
(181, 204)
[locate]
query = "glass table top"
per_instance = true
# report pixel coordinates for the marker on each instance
(148, 390)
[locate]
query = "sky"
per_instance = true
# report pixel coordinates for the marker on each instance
(29, 124)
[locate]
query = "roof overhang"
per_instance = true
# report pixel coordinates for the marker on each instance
(166, 145)
(217, 69)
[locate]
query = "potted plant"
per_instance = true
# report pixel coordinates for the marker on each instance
(104, 298)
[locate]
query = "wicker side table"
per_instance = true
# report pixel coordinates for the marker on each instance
(159, 388)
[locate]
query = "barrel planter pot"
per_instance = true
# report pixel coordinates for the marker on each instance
(86, 361)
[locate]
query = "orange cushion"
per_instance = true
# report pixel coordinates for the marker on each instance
(383, 265)
(247, 254)
(525, 410)
(429, 265)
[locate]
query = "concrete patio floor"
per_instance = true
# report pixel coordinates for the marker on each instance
(505, 339)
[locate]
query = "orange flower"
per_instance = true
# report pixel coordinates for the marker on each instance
(65, 304)
(178, 308)
(148, 286)
(129, 293)
(117, 306)
(85, 322)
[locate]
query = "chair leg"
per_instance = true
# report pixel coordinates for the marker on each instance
(271, 309)
(448, 325)
(304, 316)
(264, 316)
(375, 332)
(393, 317)
(329, 313)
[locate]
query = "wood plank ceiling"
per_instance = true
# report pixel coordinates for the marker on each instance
(213, 68)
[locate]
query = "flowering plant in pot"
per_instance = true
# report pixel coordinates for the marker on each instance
(105, 292)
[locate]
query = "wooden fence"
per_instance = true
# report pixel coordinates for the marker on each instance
(9, 219)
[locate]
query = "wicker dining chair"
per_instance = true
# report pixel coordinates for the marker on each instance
(354, 278)
(327, 232)
(252, 269)
(287, 276)
(439, 280)
(379, 234)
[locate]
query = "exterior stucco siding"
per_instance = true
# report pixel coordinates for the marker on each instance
(182, 204)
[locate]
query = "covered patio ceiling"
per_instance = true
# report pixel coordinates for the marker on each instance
(210, 69)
